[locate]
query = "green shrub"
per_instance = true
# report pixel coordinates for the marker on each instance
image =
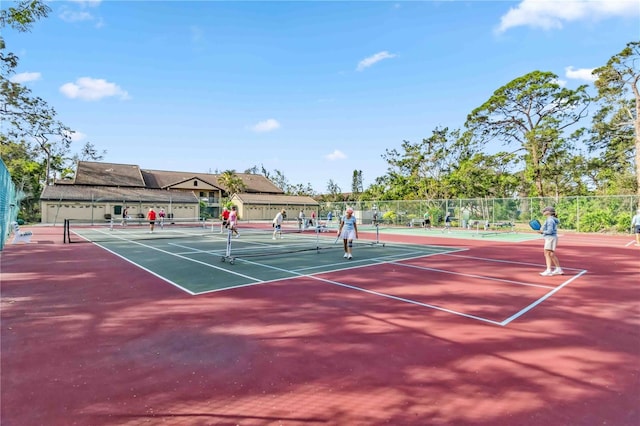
(597, 221)
(389, 216)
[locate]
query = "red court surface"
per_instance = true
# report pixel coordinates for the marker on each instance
(475, 337)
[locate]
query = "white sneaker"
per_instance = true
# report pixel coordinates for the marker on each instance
(237, 235)
(345, 255)
(273, 238)
(557, 271)
(546, 273)
(349, 257)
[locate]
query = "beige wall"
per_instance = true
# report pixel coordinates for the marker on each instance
(269, 211)
(55, 212)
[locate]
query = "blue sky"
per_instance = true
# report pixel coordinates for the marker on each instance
(315, 89)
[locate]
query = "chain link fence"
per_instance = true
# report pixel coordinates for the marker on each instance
(9, 203)
(581, 214)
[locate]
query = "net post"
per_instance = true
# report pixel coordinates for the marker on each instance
(228, 248)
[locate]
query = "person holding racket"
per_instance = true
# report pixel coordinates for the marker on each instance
(277, 224)
(225, 217)
(550, 233)
(233, 221)
(635, 226)
(348, 232)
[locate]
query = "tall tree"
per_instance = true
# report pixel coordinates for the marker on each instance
(334, 193)
(230, 180)
(88, 153)
(616, 127)
(530, 113)
(426, 169)
(25, 118)
(356, 183)
(252, 170)
(279, 179)
(301, 189)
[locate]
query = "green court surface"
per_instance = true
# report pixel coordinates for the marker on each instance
(490, 235)
(200, 263)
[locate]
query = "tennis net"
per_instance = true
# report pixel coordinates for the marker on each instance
(76, 230)
(251, 243)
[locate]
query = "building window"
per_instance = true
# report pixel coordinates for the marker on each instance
(195, 183)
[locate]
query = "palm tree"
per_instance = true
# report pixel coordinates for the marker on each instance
(232, 183)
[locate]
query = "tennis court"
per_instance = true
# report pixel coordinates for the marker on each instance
(418, 328)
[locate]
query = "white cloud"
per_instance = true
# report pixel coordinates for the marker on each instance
(367, 62)
(76, 136)
(552, 14)
(336, 155)
(75, 16)
(266, 126)
(79, 13)
(25, 77)
(580, 73)
(92, 89)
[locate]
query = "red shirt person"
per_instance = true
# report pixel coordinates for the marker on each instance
(151, 215)
(225, 217)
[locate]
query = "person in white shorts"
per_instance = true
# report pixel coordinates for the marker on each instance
(550, 233)
(277, 224)
(233, 221)
(348, 231)
(635, 226)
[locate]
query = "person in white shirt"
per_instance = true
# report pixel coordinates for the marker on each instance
(635, 226)
(348, 232)
(277, 224)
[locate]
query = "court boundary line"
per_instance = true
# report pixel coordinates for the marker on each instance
(337, 283)
(541, 299)
(179, 256)
(503, 323)
(379, 260)
(483, 277)
(146, 269)
(489, 259)
(460, 234)
(373, 292)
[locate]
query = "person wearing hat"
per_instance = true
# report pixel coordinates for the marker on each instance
(348, 232)
(277, 224)
(635, 226)
(550, 233)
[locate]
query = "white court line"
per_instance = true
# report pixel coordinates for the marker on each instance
(376, 261)
(146, 269)
(542, 299)
(296, 272)
(504, 261)
(381, 261)
(630, 243)
(179, 256)
(376, 293)
(473, 275)
(192, 250)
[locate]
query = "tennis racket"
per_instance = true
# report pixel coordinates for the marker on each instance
(337, 239)
(535, 224)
